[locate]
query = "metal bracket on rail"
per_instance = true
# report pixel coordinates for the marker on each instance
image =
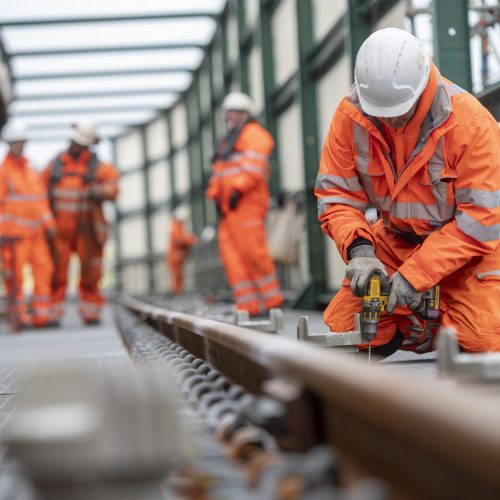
(347, 341)
(452, 363)
(274, 324)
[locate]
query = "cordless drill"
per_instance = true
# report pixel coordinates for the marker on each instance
(375, 302)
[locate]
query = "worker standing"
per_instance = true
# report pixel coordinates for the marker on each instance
(426, 154)
(239, 187)
(25, 214)
(78, 183)
(180, 243)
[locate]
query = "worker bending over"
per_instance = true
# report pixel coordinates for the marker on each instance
(181, 241)
(426, 154)
(78, 183)
(239, 187)
(25, 214)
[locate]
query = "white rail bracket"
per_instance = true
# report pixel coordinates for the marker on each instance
(274, 324)
(454, 364)
(345, 340)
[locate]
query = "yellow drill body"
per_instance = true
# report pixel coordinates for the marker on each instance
(375, 302)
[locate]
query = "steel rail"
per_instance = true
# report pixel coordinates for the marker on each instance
(426, 439)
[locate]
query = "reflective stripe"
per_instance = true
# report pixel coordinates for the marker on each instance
(40, 298)
(494, 272)
(243, 284)
(478, 197)
(227, 172)
(74, 194)
(89, 307)
(26, 197)
(253, 223)
(243, 299)
(32, 224)
(262, 171)
(255, 154)
(454, 89)
(361, 141)
(330, 200)
(69, 206)
(267, 279)
(436, 162)
(416, 210)
(327, 181)
(475, 229)
(270, 293)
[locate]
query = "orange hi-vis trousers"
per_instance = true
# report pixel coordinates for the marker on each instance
(470, 298)
(249, 267)
(33, 251)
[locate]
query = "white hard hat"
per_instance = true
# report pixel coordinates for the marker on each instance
(180, 213)
(237, 101)
(15, 130)
(392, 70)
(84, 133)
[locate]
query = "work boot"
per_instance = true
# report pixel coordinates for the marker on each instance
(92, 321)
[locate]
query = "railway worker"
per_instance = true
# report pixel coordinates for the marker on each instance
(239, 187)
(181, 240)
(78, 183)
(426, 154)
(25, 214)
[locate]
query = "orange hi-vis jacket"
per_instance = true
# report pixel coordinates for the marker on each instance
(25, 213)
(245, 169)
(69, 195)
(24, 208)
(241, 163)
(439, 207)
(447, 193)
(180, 242)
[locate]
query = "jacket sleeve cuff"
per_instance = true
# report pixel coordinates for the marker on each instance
(358, 233)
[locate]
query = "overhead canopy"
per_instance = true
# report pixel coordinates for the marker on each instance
(116, 62)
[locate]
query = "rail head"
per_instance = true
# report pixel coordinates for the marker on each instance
(429, 422)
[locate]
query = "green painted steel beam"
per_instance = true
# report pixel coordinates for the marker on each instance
(490, 98)
(451, 41)
(112, 49)
(116, 231)
(147, 210)
(100, 74)
(243, 48)
(360, 26)
(111, 93)
(266, 41)
(108, 19)
(171, 155)
(317, 266)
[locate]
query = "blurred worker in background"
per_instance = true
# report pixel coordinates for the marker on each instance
(239, 187)
(25, 213)
(78, 183)
(180, 243)
(426, 154)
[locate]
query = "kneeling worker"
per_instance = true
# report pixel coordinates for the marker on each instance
(239, 187)
(426, 154)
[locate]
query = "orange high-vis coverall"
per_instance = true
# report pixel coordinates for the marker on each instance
(241, 163)
(77, 189)
(181, 241)
(439, 205)
(25, 213)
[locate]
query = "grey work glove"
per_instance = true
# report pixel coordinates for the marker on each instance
(402, 293)
(362, 266)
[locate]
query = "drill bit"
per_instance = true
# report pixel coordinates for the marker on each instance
(369, 353)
